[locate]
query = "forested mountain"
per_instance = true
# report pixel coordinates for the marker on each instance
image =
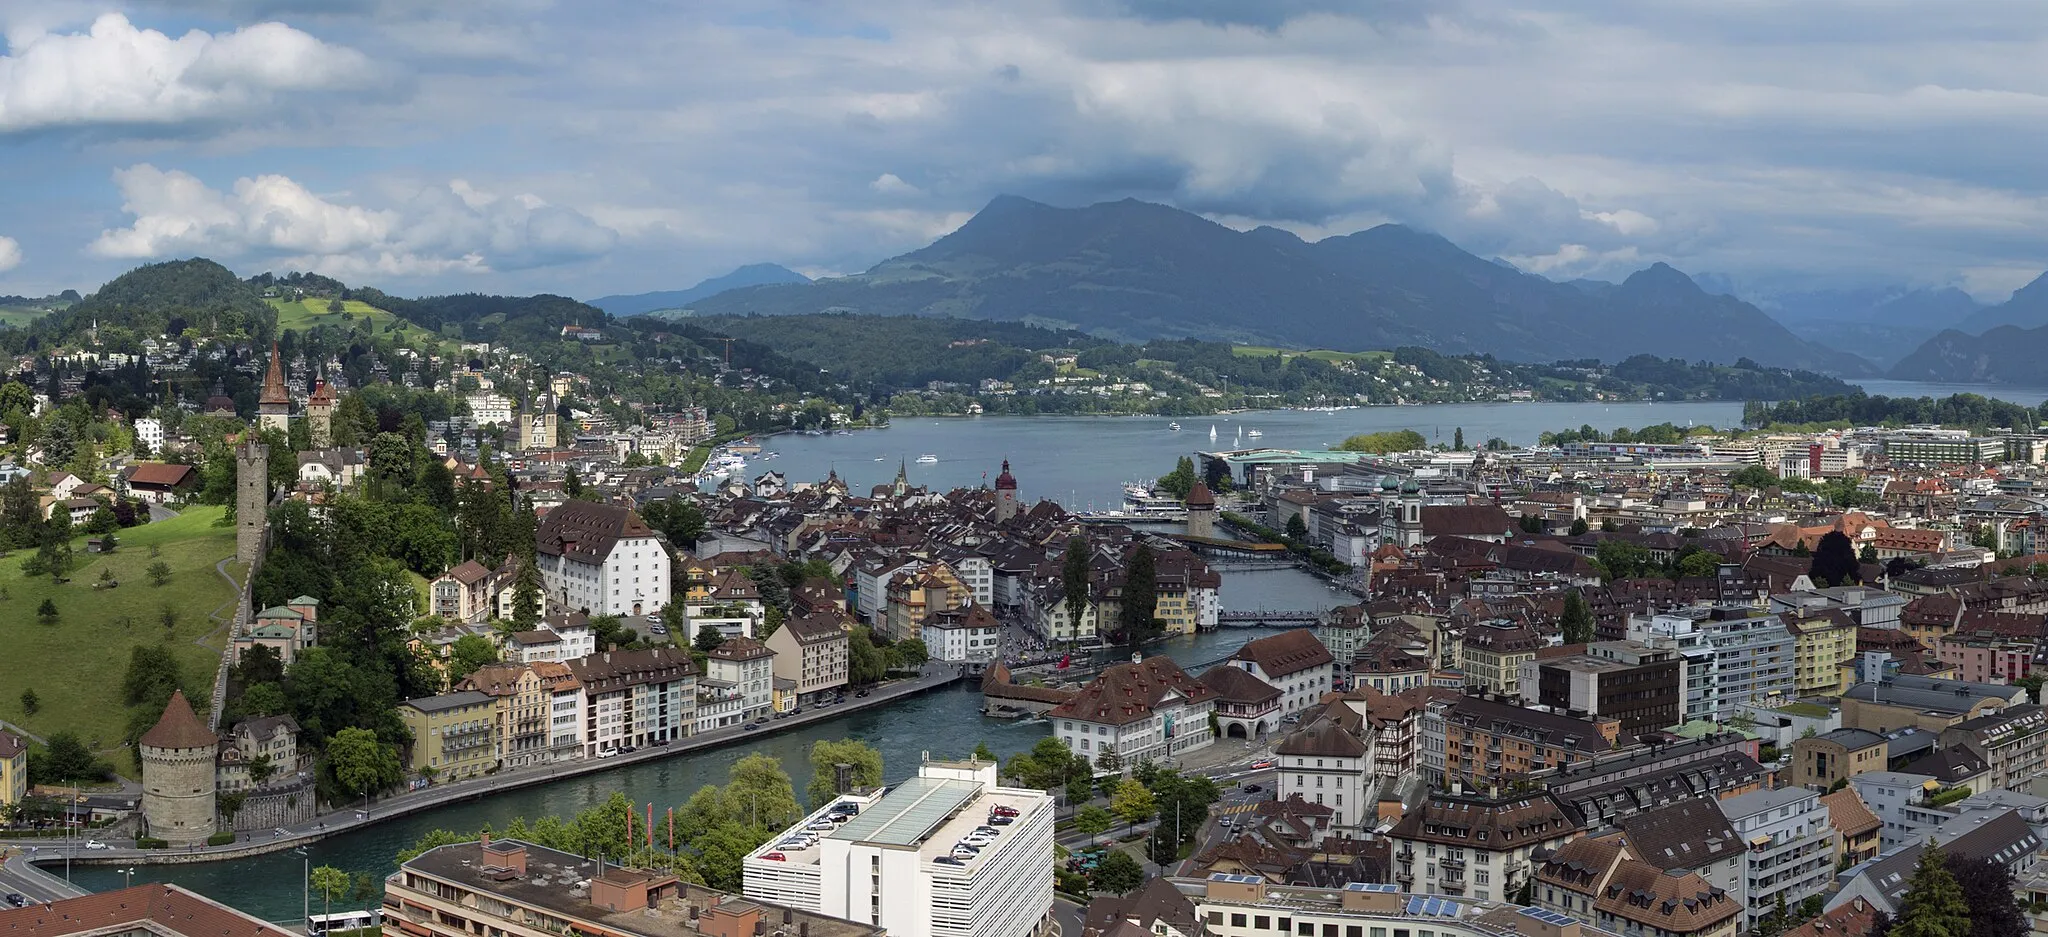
(2007, 354)
(168, 297)
(749, 275)
(1137, 271)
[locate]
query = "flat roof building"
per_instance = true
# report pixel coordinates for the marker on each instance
(897, 864)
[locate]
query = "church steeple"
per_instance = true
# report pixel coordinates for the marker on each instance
(274, 407)
(902, 478)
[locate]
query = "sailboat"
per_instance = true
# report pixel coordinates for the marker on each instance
(1212, 432)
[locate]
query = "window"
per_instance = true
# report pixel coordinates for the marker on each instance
(1236, 920)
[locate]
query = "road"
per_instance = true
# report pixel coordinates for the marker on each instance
(18, 877)
(437, 795)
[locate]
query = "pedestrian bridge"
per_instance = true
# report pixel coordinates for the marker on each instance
(1267, 616)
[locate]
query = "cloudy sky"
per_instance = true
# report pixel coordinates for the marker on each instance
(589, 147)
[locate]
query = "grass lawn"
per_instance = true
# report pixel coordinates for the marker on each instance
(306, 314)
(76, 664)
(20, 315)
(1321, 354)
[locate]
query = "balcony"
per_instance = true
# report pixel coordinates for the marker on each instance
(1452, 866)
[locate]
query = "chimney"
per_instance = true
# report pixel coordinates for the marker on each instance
(485, 841)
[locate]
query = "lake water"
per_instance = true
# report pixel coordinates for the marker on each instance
(1083, 461)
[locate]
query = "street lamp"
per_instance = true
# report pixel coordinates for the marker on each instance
(305, 885)
(130, 873)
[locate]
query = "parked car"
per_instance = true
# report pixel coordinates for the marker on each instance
(1002, 811)
(95, 844)
(774, 857)
(607, 753)
(1252, 788)
(1001, 821)
(628, 750)
(660, 742)
(948, 860)
(16, 899)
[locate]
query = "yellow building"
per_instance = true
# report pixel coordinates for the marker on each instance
(13, 769)
(521, 708)
(1492, 654)
(912, 596)
(454, 735)
(1826, 643)
(694, 578)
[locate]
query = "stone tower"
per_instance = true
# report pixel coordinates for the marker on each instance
(1201, 511)
(539, 428)
(252, 499)
(178, 776)
(320, 417)
(1006, 494)
(274, 407)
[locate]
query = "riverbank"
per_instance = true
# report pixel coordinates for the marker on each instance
(935, 676)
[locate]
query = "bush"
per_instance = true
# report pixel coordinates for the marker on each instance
(221, 838)
(151, 842)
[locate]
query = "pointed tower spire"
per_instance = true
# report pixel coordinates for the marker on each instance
(274, 407)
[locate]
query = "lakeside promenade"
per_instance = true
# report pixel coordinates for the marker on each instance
(346, 819)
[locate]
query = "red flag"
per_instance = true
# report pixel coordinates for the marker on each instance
(1065, 660)
(650, 824)
(671, 829)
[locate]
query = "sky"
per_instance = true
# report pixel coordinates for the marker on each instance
(595, 147)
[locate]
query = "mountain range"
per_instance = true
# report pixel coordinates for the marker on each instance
(1135, 271)
(750, 275)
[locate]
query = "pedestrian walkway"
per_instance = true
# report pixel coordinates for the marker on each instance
(1238, 808)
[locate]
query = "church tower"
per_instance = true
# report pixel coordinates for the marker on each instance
(320, 416)
(178, 784)
(1006, 494)
(274, 408)
(902, 484)
(252, 500)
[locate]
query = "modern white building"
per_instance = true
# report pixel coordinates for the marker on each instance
(892, 864)
(970, 634)
(1792, 847)
(150, 431)
(601, 559)
(636, 698)
(491, 409)
(561, 637)
(1734, 657)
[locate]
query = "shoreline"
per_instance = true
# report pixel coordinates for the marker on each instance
(442, 795)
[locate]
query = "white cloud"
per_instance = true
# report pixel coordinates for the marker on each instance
(117, 74)
(10, 254)
(889, 184)
(454, 227)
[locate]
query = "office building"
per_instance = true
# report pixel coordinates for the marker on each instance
(1634, 683)
(1822, 760)
(898, 865)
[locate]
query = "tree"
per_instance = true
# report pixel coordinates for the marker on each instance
(709, 638)
(865, 663)
(1399, 440)
(526, 594)
(102, 521)
(1179, 481)
(1754, 477)
(30, 702)
(1579, 526)
(826, 754)
(360, 762)
(1074, 580)
(1988, 891)
(1869, 555)
(1137, 618)
(1933, 905)
(468, 653)
(1622, 559)
(1577, 620)
(1699, 564)
(331, 884)
(984, 753)
(159, 573)
(65, 758)
(1297, 529)
(1094, 821)
(1133, 802)
(1834, 561)
(572, 484)
(908, 654)
(1118, 873)
(1458, 439)
(47, 612)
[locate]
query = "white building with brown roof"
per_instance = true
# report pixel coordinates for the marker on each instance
(1147, 709)
(749, 666)
(1329, 761)
(1294, 662)
(969, 634)
(635, 698)
(463, 594)
(602, 559)
(1475, 846)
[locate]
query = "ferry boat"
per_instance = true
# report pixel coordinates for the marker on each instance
(927, 459)
(1173, 427)
(1146, 504)
(1255, 433)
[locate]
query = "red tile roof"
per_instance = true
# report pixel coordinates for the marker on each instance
(180, 727)
(1288, 652)
(1126, 693)
(169, 908)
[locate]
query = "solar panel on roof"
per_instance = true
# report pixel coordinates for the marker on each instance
(909, 813)
(1415, 905)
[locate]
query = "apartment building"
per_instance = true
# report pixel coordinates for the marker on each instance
(811, 652)
(1329, 761)
(1492, 653)
(1293, 662)
(1477, 846)
(1734, 657)
(1601, 880)
(748, 665)
(636, 698)
(454, 735)
(1792, 847)
(895, 865)
(1634, 683)
(522, 705)
(1480, 741)
(2011, 743)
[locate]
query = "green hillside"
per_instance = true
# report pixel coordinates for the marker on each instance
(76, 663)
(302, 315)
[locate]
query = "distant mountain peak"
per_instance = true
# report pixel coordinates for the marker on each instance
(756, 274)
(1663, 277)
